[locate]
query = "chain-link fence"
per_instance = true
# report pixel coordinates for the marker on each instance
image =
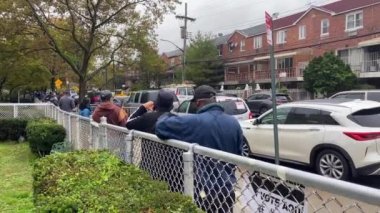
(217, 181)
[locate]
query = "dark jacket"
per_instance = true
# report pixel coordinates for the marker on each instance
(144, 121)
(211, 127)
(114, 114)
(66, 103)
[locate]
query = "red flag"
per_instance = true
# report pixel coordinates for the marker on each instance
(269, 26)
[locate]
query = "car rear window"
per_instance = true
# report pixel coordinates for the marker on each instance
(367, 117)
(233, 107)
(283, 98)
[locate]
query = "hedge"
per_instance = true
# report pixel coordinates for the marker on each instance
(42, 134)
(97, 181)
(12, 129)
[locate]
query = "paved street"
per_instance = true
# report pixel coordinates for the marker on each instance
(370, 181)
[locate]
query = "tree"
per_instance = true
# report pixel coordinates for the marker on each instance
(100, 31)
(328, 74)
(151, 68)
(202, 61)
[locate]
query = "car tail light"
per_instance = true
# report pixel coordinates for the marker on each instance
(250, 115)
(363, 136)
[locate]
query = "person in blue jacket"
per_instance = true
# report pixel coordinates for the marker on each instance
(84, 108)
(210, 127)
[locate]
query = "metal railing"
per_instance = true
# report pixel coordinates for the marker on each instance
(217, 181)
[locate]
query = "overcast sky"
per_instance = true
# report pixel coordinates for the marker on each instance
(224, 16)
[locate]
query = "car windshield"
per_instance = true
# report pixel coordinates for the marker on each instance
(233, 107)
(367, 117)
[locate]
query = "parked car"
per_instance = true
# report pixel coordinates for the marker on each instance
(338, 138)
(120, 100)
(140, 97)
(183, 92)
(261, 102)
(232, 105)
(372, 95)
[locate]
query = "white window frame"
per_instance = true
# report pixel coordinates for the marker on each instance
(220, 50)
(257, 42)
(281, 37)
(242, 45)
(230, 48)
(172, 61)
(328, 27)
(302, 32)
(355, 23)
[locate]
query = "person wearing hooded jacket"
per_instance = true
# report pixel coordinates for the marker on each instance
(155, 157)
(212, 128)
(114, 114)
(145, 117)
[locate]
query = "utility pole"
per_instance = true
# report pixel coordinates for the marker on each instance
(184, 37)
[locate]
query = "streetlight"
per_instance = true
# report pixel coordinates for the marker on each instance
(183, 58)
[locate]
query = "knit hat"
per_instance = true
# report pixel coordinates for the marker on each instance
(203, 92)
(164, 100)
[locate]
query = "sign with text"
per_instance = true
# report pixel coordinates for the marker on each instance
(269, 27)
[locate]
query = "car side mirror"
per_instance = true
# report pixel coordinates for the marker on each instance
(256, 122)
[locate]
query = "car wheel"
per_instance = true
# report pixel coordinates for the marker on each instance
(246, 150)
(262, 110)
(332, 164)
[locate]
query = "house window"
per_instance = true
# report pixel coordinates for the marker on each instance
(354, 21)
(230, 46)
(220, 50)
(172, 61)
(257, 42)
(284, 63)
(242, 45)
(325, 25)
(281, 37)
(302, 32)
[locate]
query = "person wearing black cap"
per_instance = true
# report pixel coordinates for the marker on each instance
(210, 127)
(114, 114)
(142, 121)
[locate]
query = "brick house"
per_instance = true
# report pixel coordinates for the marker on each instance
(347, 27)
(173, 60)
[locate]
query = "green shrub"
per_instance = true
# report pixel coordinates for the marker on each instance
(97, 181)
(12, 129)
(42, 134)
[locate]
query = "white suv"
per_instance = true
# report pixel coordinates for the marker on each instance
(371, 95)
(339, 138)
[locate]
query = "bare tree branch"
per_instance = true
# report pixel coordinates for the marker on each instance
(93, 74)
(73, 28)
(105, 21)
(53, 42)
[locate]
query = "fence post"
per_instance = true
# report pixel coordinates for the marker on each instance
(129, 148)
(69, 127)
(46, 110)
(188, 174)
(90, 140)
(103, 133)
(78, 142)
(15, 111)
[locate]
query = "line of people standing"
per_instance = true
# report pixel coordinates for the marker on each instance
(209, 127)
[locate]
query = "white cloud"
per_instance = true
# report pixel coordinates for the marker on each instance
(224, 16)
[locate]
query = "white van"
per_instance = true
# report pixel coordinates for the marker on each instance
(183, 92)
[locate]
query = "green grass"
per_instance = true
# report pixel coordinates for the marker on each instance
(16, 177)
